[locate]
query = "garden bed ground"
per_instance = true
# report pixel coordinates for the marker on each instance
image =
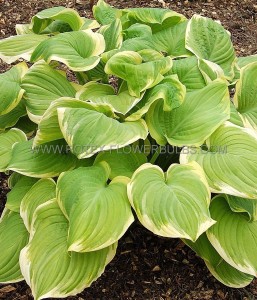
(146, 266)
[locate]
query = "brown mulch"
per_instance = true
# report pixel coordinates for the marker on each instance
(146, 266)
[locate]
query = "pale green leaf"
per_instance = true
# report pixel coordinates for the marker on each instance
(48, 267)
(64, 47)
(10, 88)
(7, 140)
(41, 192)
(49, 129)
(20, 46)
(189, 124)
(219, 268)
(23, 29)
(233, 236)
(112, 35)
(104, 13)
(45, 17)
(98, 213)
(188, 73)
(124, 161)
(79, 125)
(13, 237)
(245, 98)
(99, 93)
(19, 186)
(139, 75)
(170, 90)
(208, 40)
(48, 160)
(42, 85)
(246, 60)
(235, 116)
(230, 160)
(173, 204)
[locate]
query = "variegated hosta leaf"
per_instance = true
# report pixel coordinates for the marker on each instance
(20, 46)
(210, 70)
(64, 47)
(189, 124)
(137, 31)
(48, 160)
(233, 236)
(124, 161)
(10, 88)
(18, 190)
(45, 17)
(230, 161)
(13, 237)
(88, 132)
(207, 39)
(112, 35)
(90, 193)
(246, 95)
(156, 18)
(42, 85)
(173, 204)
(235, 116)
(104, 13)
(49, 128)
(46, 264)
(238, 204)
(219, 268)
(188, 73)
(171, 40)
(10, 119)
(23, 29)
(7, 140)
(41, 192)
(170, 90)
(246, 60)
(99, 93)
(139, 75)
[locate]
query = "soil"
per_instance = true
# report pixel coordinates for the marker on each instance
(147, 266)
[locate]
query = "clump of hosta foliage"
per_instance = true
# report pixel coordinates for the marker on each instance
(148, 127)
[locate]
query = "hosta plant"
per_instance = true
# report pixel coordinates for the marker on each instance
(140, 113)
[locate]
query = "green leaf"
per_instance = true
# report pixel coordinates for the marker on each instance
(140, 76)
(41, 192)
(124, 161)
(112, 35)
(171, 40)
(99, 93)
(244, 61)
(23, 29)
(45, 17)
(104, 13)
(189, 124)
(64, 47)
(230, 161)
(20, 46)
(233, 236)
(245, 96)
(207, 39)
(7, 140)
(48, 267)
(210, 70)
(19, 185)
(219, 268)
(80, 125)
(235, 116)
(238, 204)
(157, 18)
(49, 128)
(42, 85)
(173, 204)
(48, 160)
(13, 237)
(90, 193)
(137, 31)
(10, 119)
(170, 90)
(10, 88)
(188, 73)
